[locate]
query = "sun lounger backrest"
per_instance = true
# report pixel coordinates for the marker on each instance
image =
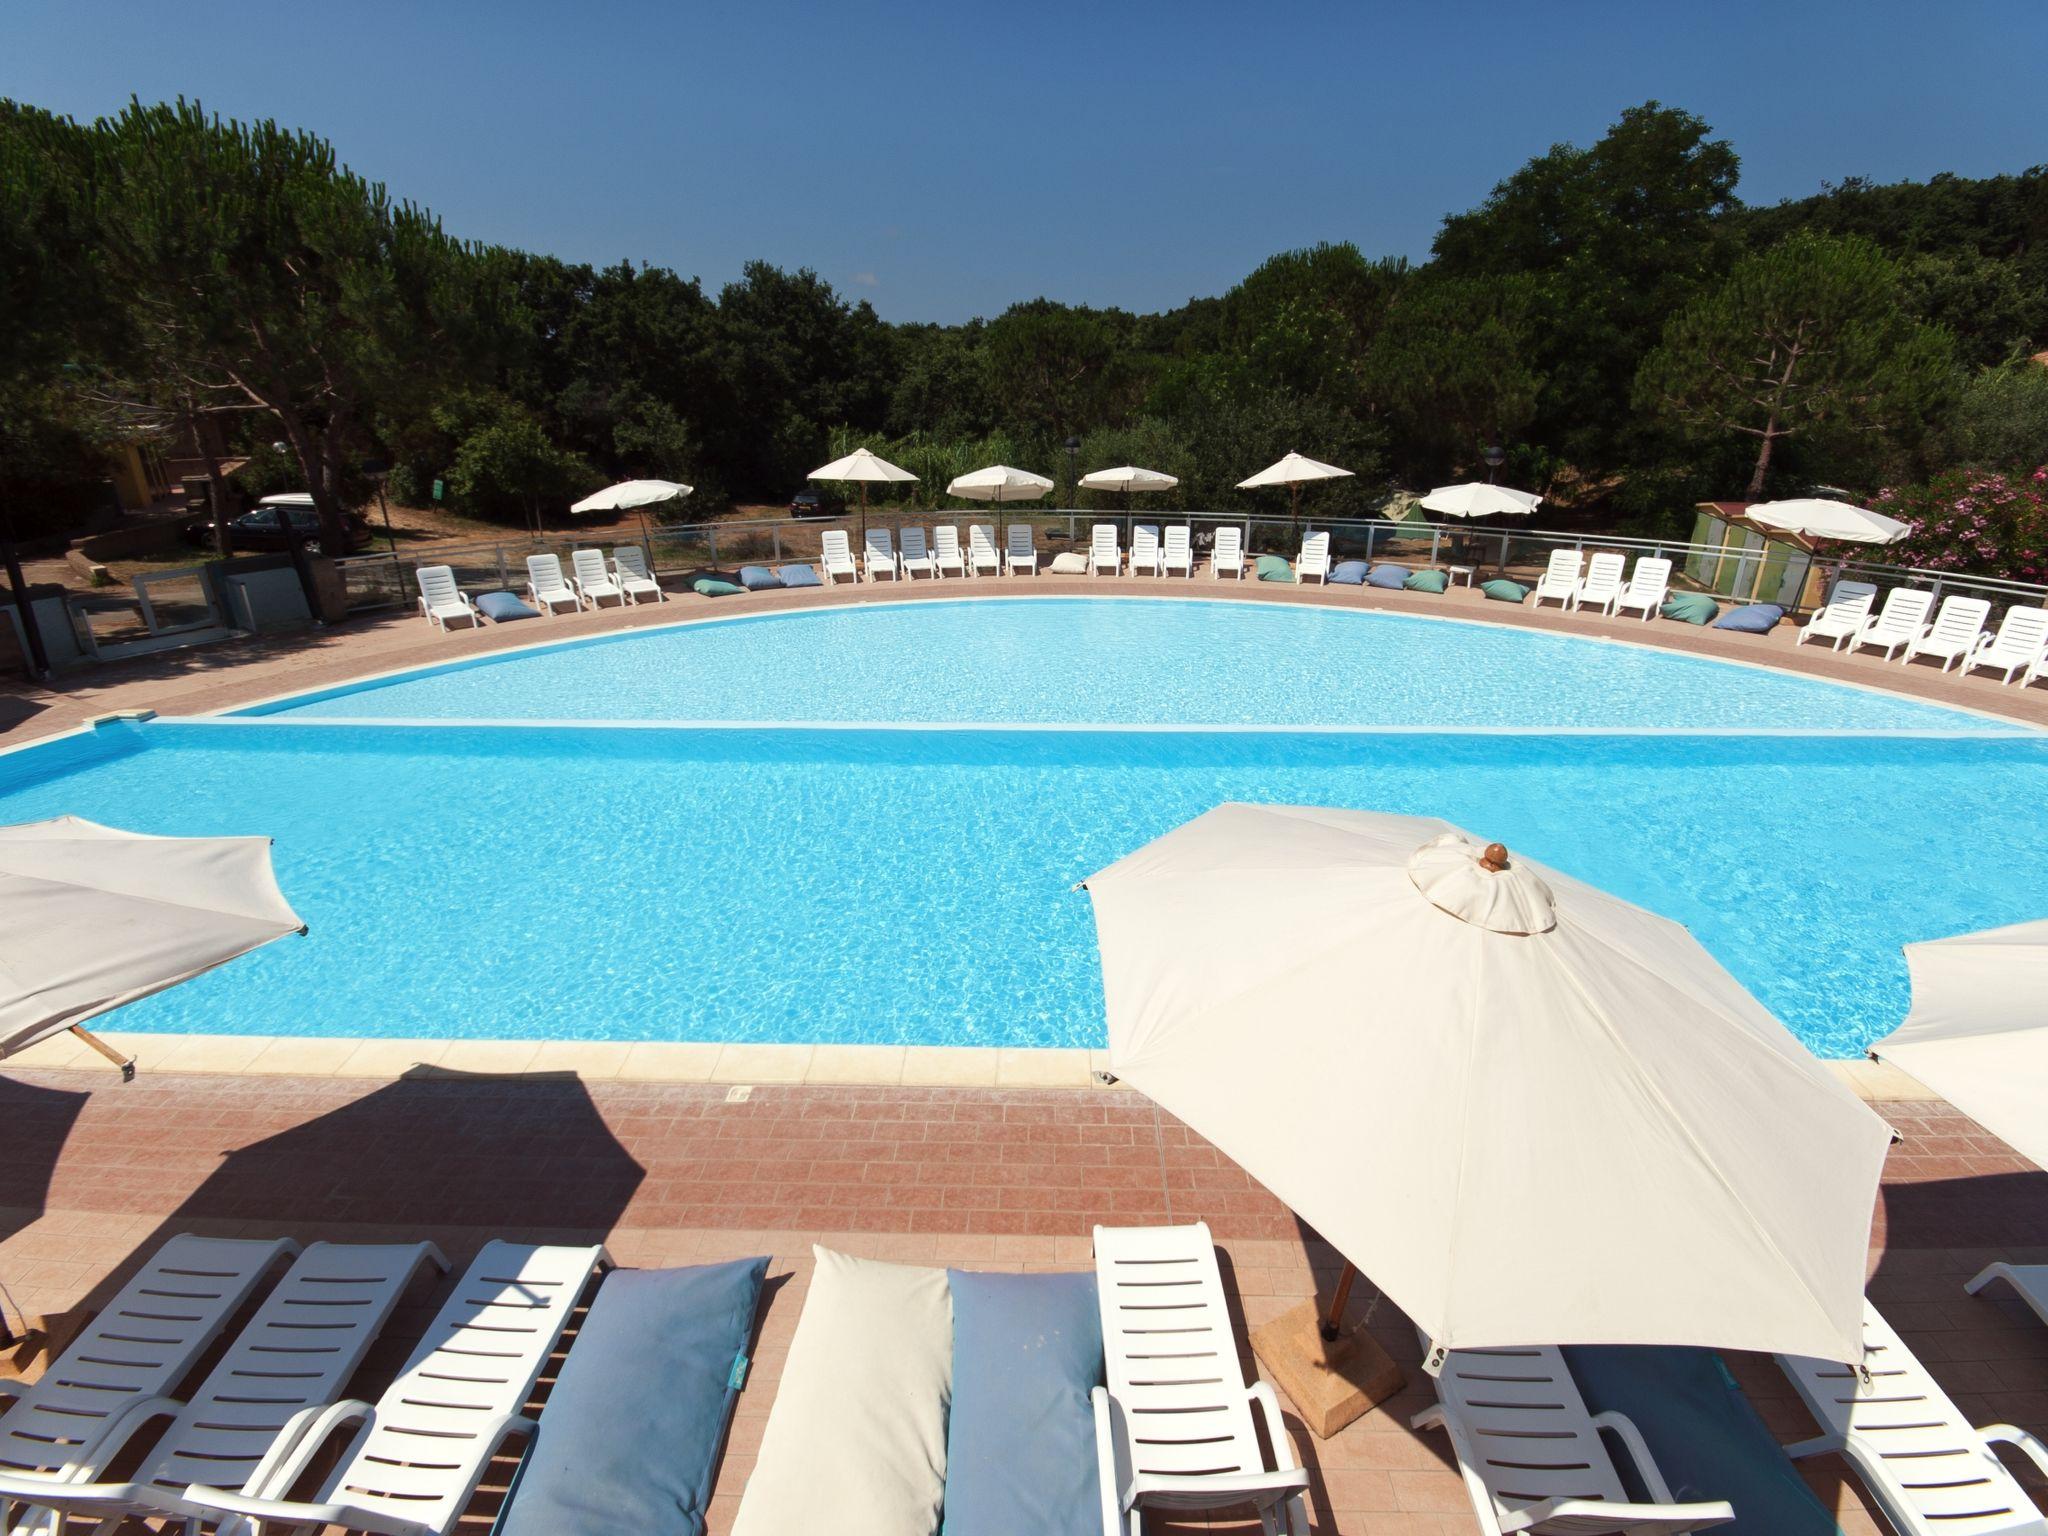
(880, 545)
(631, 559)
(981, 543)
(545, 572)
(835, 548)
(1563, 567)
(1652, 574)
(1315, 549)
(1144, 542)
(1526, 1426)
(1102, 539)
(1178, 539)
(913, 543)
(1603, 571)
(1020, 539)
(1904, 612)
(437, 586)
(2022, 632)
(589, 564)
(946, 537)
(1961, 620)
(1845, 591)
(1229, 543)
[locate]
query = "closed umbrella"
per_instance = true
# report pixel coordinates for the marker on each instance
(1978, 1030)
(863, 468)
(1294, 472)
(1532, 1112)
(92, 917)
(1000, 483)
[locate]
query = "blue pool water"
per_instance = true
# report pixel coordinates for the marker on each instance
(902, 886)
(1093, 661)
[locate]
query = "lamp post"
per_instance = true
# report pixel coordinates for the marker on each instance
(1495, 456)
(1073, 447)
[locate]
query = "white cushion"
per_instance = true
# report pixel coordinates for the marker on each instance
(1071, 563)
(856, 1442)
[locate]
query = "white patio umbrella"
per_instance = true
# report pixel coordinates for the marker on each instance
(1000, 483)
(1532, 1112)
(1813, 518)
(863, 468)
(630, 495)
(1472, 499)
(1128, 478)
(93, 917)
(1294, 472)
(1978, 1030)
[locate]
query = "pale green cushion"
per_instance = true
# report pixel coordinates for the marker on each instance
(711, 586)
(1500, 589)
(1690, 607)
(1427, 581)
(1274, 568)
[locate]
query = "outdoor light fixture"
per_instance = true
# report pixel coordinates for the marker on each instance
(1495, 456)
(1073, 447)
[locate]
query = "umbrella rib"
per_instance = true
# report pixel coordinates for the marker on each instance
(154, 901)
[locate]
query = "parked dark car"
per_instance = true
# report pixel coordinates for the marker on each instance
(264, 527)
(816, 503)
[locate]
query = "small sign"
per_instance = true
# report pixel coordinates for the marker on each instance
(439, 487)
(736, 1378)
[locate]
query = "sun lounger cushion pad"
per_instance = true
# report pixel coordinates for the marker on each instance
(1427, 581)
(1020, 1452)
(758, 578)
(1751, 618)
(711, 586)
(1500, 589)
(1273, 568)
(499, 607)
(1690, 607)
(1070, 563)
(797, 575)
(1350, 573)
(856, 1442)
(1389, 576)
(630, 1437)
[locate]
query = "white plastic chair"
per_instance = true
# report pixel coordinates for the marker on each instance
(982, 554)
(916, 555)
(418, 1455)
(1145, 549)
(1955, 632)
(1178, 554)
(1601, 586)
(1648, 585)
(1560, 580)
(1228, 553)
(1103, 553)
(946, 551)
(880, 554)
(1022, 550)
(544, 584)
(1174, 1427)
(297, 1353)
(441, 599)
(1924, 1463)
(2021, 641)
(629, 565)
(1531, 1455)
(594, 583)
(836, 555)
(1898, 624)
(1842, 616)
(1314, 559)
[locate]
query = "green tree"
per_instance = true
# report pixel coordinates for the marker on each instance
(2001, 418)
(1452, 369)
(1806, 340)
(1057, 370)
(1306, 320)
(509, 467)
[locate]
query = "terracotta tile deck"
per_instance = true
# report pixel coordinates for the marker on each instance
(94, 1174)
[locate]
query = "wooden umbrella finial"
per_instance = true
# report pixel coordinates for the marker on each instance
(1495, 859)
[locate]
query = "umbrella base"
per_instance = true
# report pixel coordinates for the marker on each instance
(1332, 1382)
(46, 1337)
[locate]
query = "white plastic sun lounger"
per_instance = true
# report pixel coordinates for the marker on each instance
(1919, 1457)
(1314, 559)
(1531, 1454)
(1898, 624)
(298, 1352)
(113, 1378)
(419, 1453)
(1648, 585)
(545, 586)
(1145, 548)
(1103, 554)
(1842, 616)
(594, 582)
(2029, 1283)
(1560, 580)
(916, 558)
(1228, 553)
(1174, 1428)
(442, 600)
(2020, 643)
(1601, 586)
(836, 555)
(1022, 551)
(1178, 554)
(879, 553)
(629, 565)
(1953, 634)
(946, 551)
(982, 554)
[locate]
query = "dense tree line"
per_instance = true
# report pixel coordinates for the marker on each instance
(1628, 333)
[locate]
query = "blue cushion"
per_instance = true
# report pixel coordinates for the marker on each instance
(1751, 618)
(1349, 572)
(797, 575)
(630, 1437)
(1387, 576)
(1020, 1447)
(758, 578)
(499, 607)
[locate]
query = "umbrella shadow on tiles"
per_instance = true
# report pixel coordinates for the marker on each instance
(38, 1122)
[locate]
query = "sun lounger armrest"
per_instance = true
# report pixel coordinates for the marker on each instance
(1267, 1402)
(1111, 1465)
(2013, 1435)
(1591, 1515)
(1989, 1273)
(102, 1499)
(292, 1512)
(1265, 1488)
(1624, 1429)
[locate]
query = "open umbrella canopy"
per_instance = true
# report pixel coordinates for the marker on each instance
(1293, 470)
(862, 466)
(999, 482)
(1978, 1030)
(1813, 518)
(1128, 477)
(1475, 500)
(92, 917)
(628, 494)
(1531, 1112)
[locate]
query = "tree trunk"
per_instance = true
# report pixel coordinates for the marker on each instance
(1763, 461)
(206, 438)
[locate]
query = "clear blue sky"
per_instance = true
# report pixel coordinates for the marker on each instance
(947, 159)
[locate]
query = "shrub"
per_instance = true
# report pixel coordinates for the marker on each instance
(1984, 523)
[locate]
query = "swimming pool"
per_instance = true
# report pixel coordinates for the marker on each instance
(674, 883)
(1119, 661)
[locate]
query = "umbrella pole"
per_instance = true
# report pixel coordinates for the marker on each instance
(863, 514)
(1333, 1320)
(125, 1063)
